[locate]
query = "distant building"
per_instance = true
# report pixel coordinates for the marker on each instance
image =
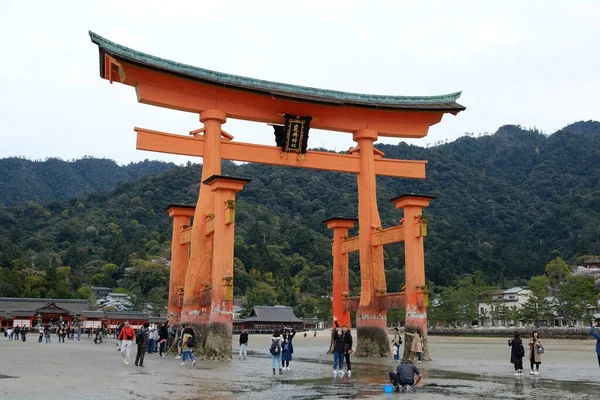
(100, 292)
(119, 301)
(32, 312)
(266, 319)
(513, 297)
(592, 263)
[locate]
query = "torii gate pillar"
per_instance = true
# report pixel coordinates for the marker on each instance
(341, 284)
(372, 273)
(198, 274)
(415, 228)
(179, 259)
(225, 188)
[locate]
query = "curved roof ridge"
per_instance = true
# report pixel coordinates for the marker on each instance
(446, 101)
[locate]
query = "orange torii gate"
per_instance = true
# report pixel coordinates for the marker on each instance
(201, 286)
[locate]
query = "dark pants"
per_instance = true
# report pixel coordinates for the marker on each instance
(396, 380)
(532, 362)
(348, 363)
(599, 360)
(162, 347)
(518, 365)
(139, 356)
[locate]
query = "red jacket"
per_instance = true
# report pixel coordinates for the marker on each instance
(126, 333)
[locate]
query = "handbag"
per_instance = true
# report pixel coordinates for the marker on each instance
(540, 350)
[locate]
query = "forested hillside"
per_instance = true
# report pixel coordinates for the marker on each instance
(506, 205)
(22, 180)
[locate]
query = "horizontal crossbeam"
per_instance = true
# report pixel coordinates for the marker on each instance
(380, 238)
(387, 301)
(247, 152)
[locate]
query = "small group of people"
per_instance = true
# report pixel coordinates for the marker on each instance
(150, 339)
(16, 333)
(281, 348)
(342, 349)
(517, 353)
(416, 346)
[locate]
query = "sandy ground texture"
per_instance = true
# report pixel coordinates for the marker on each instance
(463, 368)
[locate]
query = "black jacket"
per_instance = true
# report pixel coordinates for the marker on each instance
(163, 333)
(347, 339)
(406, 371)
(515, 344)
(339, 346)
(244, 338)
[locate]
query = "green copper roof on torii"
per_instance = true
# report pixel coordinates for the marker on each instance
(302, 93)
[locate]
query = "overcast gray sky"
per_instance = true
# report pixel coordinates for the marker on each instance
(533, 63)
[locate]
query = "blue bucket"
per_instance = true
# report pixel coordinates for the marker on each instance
(388, 388)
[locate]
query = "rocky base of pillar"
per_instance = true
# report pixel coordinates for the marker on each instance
(372, 342)
(213, 341)
(408, 340)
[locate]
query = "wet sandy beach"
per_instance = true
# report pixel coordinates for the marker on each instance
(471, 368)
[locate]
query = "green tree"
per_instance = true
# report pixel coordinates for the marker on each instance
(557, 271)
(84, 292)
(575, 294)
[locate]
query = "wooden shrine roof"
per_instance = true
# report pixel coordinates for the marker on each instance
(442, 103)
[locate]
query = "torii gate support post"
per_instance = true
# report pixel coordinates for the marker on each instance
(200, 261)
(179, 260)
(371, 322)
(417, 296)
(217, 337)
(341, 284)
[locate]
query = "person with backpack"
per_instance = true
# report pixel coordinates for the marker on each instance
(126, 337)
(535, 353)
(597, 336)
(517, 352)
(275, 342)
(188, 343)
(141, 339)
(397, 341)
(287, 347)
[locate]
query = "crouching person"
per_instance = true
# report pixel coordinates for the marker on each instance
(404, 377)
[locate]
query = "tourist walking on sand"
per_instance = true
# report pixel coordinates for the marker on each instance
(163, 336)
(126, 337)
(188, 343)
(47, 334)
(535, 353)
(78, 330)
(287, 347)
(24, 334)
(417, 345)
(517, 352)
(597, 336)
(275, 342)
(347, 335)
(9, 334)
(16, 332)
(141, 339)
(397, 341)
(243, 343)
(41, 332)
